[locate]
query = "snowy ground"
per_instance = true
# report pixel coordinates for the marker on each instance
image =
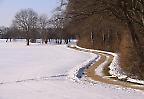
(41, 72)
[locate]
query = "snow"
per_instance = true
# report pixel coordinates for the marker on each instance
(42, 72)
(135, 81)
(22, 62)
(99, 70)
(77, 71)
(115, 70)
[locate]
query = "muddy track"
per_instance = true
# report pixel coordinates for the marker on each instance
(91, 73)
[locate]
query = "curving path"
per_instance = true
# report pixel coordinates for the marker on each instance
(100, 73)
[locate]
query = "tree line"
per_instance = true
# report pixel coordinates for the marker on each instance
(112, 25)
(28, 25)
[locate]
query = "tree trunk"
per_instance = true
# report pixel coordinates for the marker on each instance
(28, 42)
(46, 41)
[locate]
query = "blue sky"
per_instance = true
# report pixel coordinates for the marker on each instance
(8, 8)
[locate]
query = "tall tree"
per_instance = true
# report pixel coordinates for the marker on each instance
(26, 21)
(58, 21)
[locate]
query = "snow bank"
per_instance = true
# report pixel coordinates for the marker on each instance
(99, 69)
(116, 71)
(77, 72)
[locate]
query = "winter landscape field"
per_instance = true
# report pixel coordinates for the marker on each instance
(44, 72)
(72, 49)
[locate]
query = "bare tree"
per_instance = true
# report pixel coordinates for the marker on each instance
(43, 24)
(26, 21)
(58, 22)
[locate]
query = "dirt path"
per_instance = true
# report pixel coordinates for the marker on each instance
(90, 72)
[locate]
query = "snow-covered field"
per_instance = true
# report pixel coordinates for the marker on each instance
(41, 72)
